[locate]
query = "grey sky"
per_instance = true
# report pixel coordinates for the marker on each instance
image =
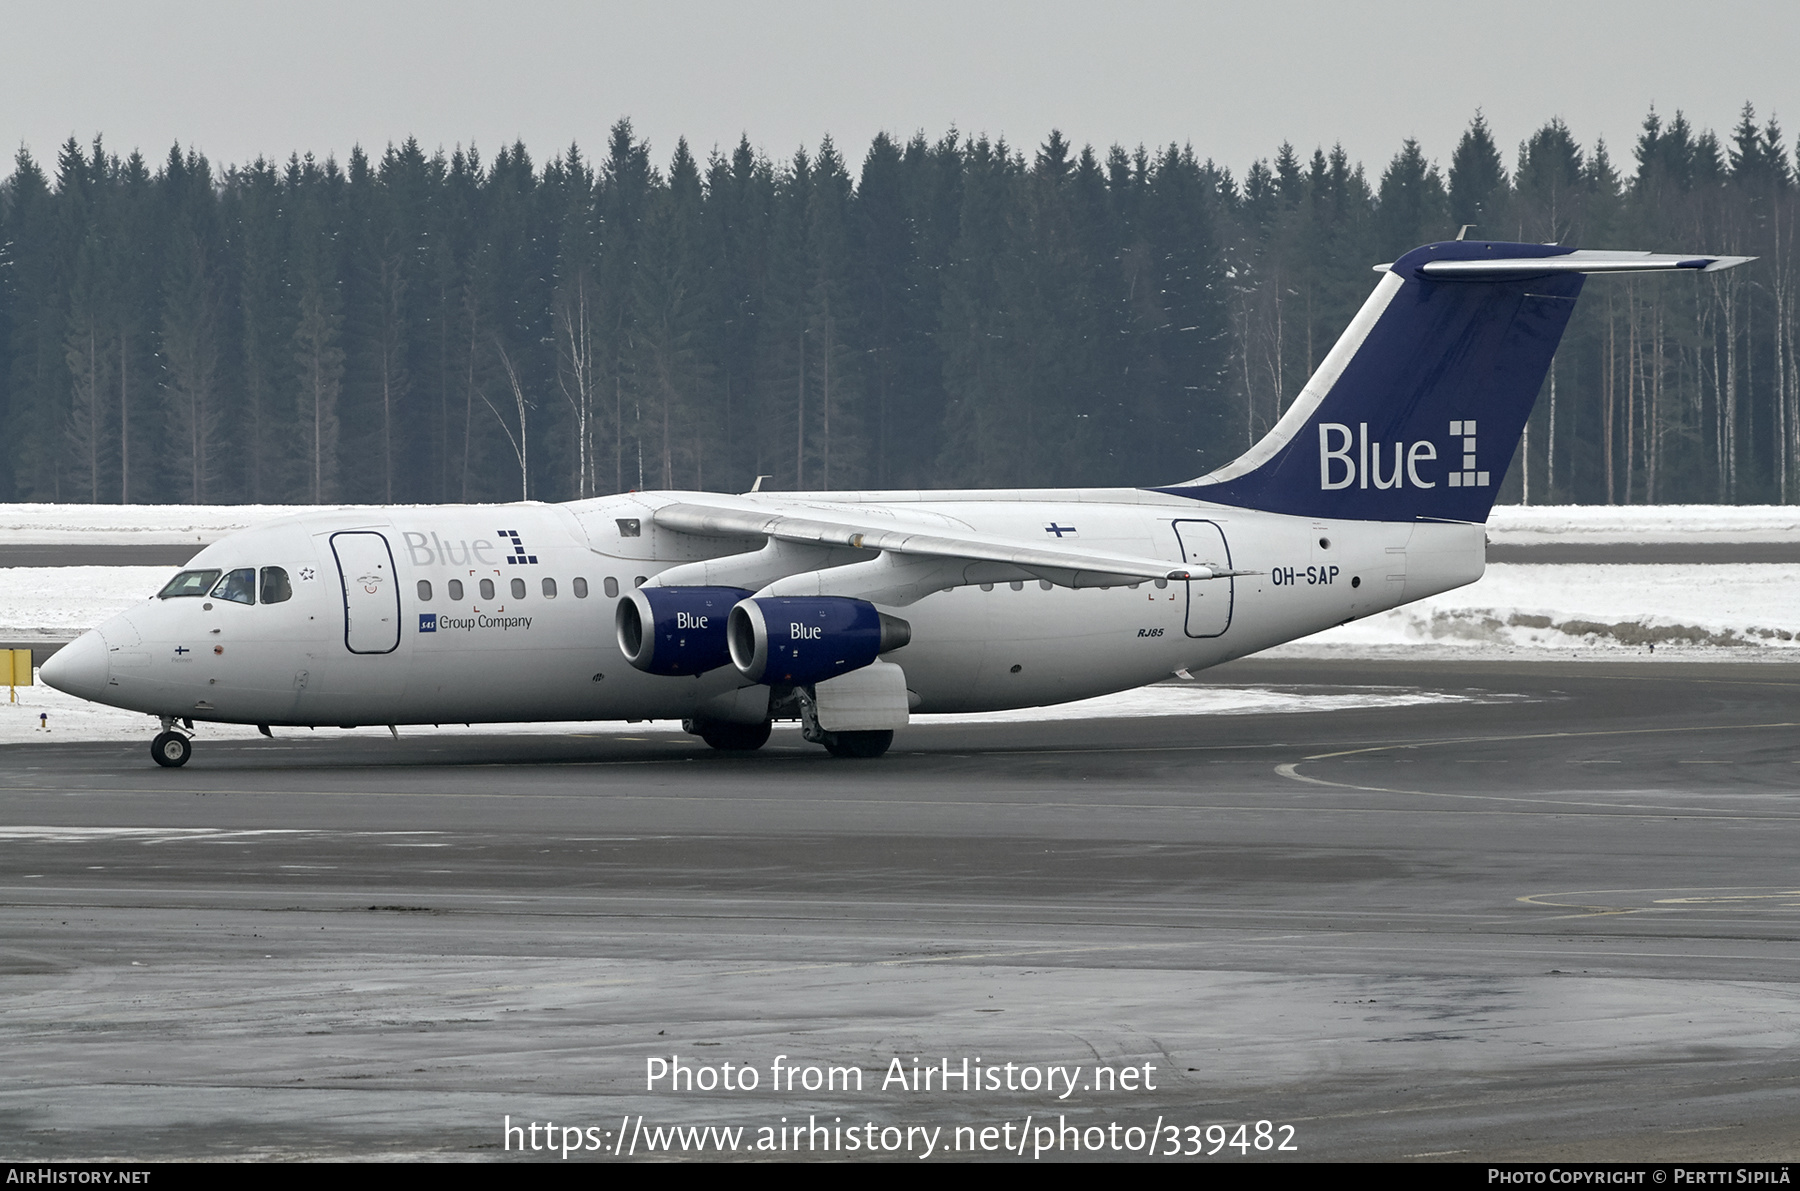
(1234, 79)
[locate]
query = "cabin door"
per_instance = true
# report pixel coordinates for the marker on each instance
(1209, 600)
(371, 592)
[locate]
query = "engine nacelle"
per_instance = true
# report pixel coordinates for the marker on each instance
(676, 630)
(799, 640)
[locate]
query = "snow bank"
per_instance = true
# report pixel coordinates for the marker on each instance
(1582, 606)
(61, 603)
(136, 525)
(1537, 525)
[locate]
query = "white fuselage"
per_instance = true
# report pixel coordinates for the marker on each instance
(537, 657)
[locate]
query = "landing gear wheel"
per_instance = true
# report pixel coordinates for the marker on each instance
(858, 744)
(734, 738)
(171, 749)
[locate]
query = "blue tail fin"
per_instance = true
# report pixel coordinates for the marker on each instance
(1416, 412)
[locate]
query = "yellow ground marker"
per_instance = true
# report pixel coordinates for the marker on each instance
(18, 672)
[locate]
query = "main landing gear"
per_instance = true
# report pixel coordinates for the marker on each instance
(860, 745)
(856, 744)
(745, 738)
(729, 737)
(171, 749)
(791, 703)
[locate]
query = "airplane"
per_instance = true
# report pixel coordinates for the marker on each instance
(852, 611)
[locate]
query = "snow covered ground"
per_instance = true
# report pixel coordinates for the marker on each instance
(61, 603)
(133, 525)
(1598, 610)
(1518, 525)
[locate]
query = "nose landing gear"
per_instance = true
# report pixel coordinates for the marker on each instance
(171, 749)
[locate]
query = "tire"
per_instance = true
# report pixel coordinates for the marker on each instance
(171, 750)
(858, 744)
(735, 738)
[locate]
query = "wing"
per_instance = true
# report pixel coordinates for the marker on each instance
(811, 555)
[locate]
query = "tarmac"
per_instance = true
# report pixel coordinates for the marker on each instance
(1551, 916)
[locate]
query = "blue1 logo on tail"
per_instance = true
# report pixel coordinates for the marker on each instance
(1365, 468)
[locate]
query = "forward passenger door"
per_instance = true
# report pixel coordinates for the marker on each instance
(371, 591)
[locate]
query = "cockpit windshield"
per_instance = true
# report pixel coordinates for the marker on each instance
(275, 586)
(237, 586)
(189, 583)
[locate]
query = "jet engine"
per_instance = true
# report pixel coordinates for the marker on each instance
(800, 640)
(676, 630)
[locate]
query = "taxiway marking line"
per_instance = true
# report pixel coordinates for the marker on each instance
(1291, 769)
(1726, 896)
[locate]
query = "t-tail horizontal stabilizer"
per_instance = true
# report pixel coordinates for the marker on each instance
(1577, 261)
(1417, 410)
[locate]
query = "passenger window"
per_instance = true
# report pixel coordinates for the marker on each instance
(518, 589)
(425, 591)
(487, 589)
(640, 580)
(580, 586)
(456, 590)
(549, 588)
(612, 588)
(237, 586)
(189, 583)
(275, 586)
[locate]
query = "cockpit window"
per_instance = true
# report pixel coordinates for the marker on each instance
(237, 586)
(275, 586)
(189, 583)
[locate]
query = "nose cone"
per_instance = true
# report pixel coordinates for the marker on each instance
(80, 668)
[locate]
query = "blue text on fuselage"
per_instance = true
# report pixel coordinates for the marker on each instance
(429, 551)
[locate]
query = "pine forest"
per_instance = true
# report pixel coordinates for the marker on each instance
(950, 312)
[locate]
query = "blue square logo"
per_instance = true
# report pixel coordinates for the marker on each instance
(428, 622)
